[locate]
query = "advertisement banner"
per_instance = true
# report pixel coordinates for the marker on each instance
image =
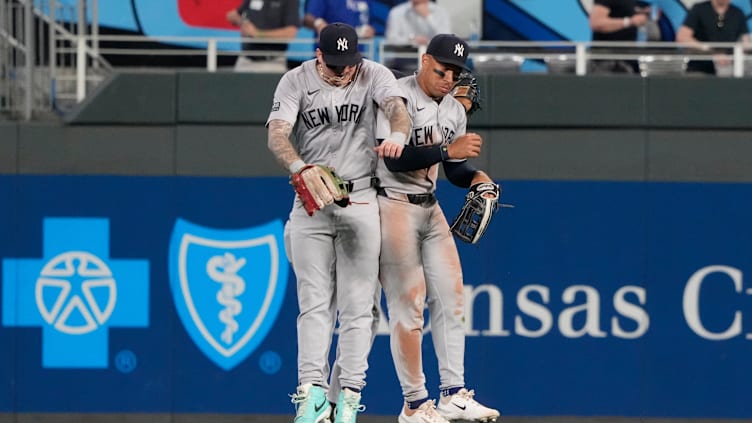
(174, 294)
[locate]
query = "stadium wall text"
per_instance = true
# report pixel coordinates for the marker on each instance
(176, 294)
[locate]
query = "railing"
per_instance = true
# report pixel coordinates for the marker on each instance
(36, 63)
(88, 57)
(578, 55)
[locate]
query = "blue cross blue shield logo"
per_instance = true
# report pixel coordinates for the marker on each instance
(75, 292)
(228, 286)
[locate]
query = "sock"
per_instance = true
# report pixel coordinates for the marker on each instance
(413, 405)
(448, 392)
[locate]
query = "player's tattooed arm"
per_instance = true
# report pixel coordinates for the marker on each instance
(279, 144)
(399, 122)
(396, 111)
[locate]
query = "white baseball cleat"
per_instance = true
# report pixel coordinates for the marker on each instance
(426, 413)
(462, 406)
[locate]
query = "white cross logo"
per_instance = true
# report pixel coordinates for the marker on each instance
(342, 44)
(459, 50)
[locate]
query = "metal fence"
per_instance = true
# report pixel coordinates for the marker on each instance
(39, 59)
(51, 57)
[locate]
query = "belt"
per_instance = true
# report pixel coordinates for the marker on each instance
(427, 199)
(361, 183)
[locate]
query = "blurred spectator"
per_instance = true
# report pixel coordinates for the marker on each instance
(265, 19)
(714, 21)
(414, 23)
(616, 20)
(320, 13)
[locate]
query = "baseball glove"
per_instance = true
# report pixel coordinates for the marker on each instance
(318, 186)
(467, 88)
(481, 202)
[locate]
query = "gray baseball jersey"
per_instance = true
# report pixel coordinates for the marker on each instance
(432, 123)
(335, 251)
(334, 126)
(419, 258)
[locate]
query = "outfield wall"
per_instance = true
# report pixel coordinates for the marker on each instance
(615, 286)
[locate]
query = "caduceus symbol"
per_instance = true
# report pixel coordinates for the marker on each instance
(224, 269)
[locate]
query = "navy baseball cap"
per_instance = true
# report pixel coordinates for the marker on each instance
(449, 49)
(338, 43)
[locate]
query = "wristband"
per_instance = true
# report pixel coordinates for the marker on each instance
(398, 138)
(627, 22)
(296, 166)
(444, 152)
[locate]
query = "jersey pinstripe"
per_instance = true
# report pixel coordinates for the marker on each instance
(432, 123)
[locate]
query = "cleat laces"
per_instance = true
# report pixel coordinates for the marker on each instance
(351, 407)
(429, 410)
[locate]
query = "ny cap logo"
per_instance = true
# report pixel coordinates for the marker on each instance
(342, 44)
(459, 50)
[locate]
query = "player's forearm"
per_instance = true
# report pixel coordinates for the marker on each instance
(279, 144)
(461, 174)
(414, 158)
(481, 176)
(395, 110)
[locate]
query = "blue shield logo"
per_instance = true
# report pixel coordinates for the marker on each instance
(228, 286)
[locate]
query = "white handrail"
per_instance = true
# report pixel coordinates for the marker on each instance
(579, 51)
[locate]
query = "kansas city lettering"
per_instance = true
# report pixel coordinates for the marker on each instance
(584, 311)
(319, 116)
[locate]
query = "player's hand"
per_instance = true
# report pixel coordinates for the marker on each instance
(389, 149)
(465, 147)
(314, 180)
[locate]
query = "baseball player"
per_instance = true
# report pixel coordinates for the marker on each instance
(323, 114)
(419, 257)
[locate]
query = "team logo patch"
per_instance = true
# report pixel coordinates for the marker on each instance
(228, 286)
(275, 106)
